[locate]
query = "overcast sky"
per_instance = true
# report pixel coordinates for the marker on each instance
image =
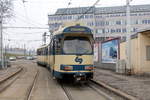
(34, 13)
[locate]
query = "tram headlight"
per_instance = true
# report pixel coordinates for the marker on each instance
(89, 68)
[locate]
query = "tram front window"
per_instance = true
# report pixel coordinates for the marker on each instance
(77, 45)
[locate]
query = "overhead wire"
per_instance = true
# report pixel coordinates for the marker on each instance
(88, 10)
(24, 27)
(24, 33)
(69, 3)
(26, 18)
(10, 39)
(30, 33)
(26, 21)
(22, 18)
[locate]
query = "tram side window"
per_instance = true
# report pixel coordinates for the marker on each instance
(57, 46)
(51, 47)
(43, 53)
(46, 52)
(38, 52)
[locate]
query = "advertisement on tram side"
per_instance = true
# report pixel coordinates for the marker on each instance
(110, 51)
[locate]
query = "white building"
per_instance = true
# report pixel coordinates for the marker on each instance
(105, 20)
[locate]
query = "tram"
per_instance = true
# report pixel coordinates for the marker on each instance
(69, 53)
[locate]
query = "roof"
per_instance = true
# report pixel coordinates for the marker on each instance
(135, 35)
(102, 10)
(77, 10)
(144, 30)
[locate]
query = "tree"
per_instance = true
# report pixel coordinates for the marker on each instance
(5, 12)
(6, 8)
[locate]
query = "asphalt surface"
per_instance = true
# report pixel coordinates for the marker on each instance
(36, 83)
(137, 86)
(18, 90)
(46, 88)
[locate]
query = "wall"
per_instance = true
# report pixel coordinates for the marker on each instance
(144, 63)
(134, 54)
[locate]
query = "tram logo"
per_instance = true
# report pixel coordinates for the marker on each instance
(80, 60)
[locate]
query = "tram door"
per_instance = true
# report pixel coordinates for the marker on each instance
(57, 50)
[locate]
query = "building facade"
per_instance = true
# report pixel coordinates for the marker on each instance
(104, 20)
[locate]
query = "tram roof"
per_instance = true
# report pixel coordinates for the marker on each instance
(43, 46)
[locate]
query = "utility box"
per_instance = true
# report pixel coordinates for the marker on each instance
(121, 66)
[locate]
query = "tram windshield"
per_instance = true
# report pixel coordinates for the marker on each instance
(77, 45)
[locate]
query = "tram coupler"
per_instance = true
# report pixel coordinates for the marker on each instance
(80, 77)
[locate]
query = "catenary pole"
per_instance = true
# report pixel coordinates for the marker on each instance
(128, 38)
(1, 37)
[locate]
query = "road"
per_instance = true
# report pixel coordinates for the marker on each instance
(35, 83)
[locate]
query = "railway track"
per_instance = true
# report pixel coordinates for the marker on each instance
(71, 91)
(9, 79)
(93, 88)
(98, 89)
(30, 93)
(67, 93)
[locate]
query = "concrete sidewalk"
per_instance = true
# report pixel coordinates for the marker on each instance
(137, 86)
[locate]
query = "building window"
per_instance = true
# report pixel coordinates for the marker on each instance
(106, 30)
(136, 22)
(148, 21)
(124, 30)
(98, 16)
(118, 30)
(133, 14)
(112, 23)
(134, 30)
(103, 30)
(124, 22)
(91, 16)
(86, 16)
(148, 52)
(112, 30)
(118, 22)
(99, 31)
(102, 23)
(69, 17)
(97, 23)
(90, 23)
(124, 14)
(107, 23)
(144, 21)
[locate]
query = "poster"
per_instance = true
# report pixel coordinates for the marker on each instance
(110, 51)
